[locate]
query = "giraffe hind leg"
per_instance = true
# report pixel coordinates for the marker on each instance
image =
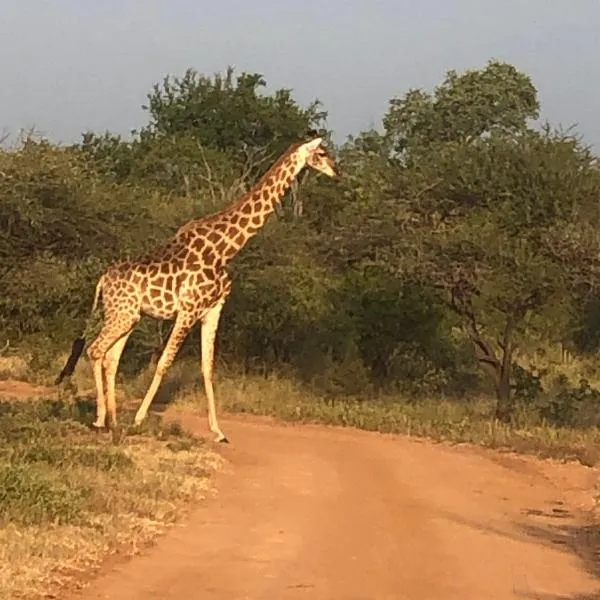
(111, 333)
(111, 365)
(100, 398)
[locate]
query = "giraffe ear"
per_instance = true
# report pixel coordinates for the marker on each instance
(313, 144)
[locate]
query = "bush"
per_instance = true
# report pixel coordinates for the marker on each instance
(576, 407)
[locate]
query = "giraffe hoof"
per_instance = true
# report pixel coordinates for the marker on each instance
(223, 440)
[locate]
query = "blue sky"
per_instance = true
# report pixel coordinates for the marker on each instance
(72, 65)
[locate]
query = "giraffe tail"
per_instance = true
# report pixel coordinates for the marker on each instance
(79, 343)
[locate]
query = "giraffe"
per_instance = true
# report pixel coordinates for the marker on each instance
(184, 280)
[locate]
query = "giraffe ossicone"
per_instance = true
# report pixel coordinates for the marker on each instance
(185, 280)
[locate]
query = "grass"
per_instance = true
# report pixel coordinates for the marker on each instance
(467, 421)
(464, 421)
(69, 496)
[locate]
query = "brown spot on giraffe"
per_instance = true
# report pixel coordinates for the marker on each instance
(208, 256)
(171, 283)
(221, 247)
(193, 262)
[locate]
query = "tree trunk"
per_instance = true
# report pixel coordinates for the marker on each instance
(505, 403)
(499, 368)
(504, 399)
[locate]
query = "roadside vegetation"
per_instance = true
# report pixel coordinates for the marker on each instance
(69, 496)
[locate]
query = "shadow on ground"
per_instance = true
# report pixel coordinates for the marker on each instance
(533, 596)
(582, 541)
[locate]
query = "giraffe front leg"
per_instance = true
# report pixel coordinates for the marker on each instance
(183, 324)
(210, 324)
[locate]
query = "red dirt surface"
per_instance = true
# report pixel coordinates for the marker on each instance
(311, 512)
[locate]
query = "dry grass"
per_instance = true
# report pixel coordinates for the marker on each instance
(69, 497)
(14, 367)
(469, 421)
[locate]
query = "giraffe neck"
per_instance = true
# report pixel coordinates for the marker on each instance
(240, 222)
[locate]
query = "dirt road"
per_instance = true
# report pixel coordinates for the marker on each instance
(318, 513)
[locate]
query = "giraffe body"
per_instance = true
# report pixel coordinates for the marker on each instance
(186, 280)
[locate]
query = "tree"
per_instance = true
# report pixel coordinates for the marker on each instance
(207, 137)
(463, 196)
(497, 99)
(60, 223)
(230, 114)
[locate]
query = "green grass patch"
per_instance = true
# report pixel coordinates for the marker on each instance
(69, 495)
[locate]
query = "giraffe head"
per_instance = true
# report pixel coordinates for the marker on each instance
(314, 155)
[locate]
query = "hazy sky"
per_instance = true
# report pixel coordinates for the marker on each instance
(72, 65)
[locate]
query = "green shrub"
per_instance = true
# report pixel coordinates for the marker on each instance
(576, 407)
